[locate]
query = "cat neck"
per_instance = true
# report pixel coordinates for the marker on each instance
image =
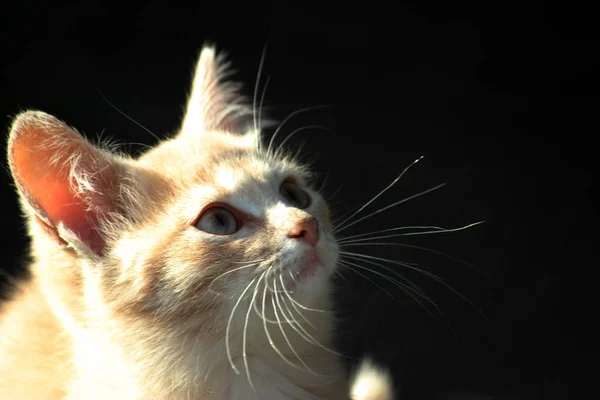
(118, 355)
(194, 364)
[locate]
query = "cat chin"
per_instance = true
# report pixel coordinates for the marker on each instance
(311, 285)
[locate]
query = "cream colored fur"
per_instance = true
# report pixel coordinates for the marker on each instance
(129, 301)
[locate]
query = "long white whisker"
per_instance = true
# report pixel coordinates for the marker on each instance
(409, 285)
(298, 151)
(256, 86)
(295, 131)
(277, 270)
(276, 297)
(262, 314)
(340, 225)
(437, 278)
(322, 187)
(227, 347)
(417, 291)
(245, 331)
(249, 262)
(359, 255)
(390, 206)
(405, 288)
(347, 265)
(429, 232)
(345, 214)
(260, 104)
(301, 305)
(412, 246)
(396, 273)
(233, 270)
(292, 303)
(127, 116)
(292, 325)
(307, 336)
(289, 117)
(400, 228)
(278, 322)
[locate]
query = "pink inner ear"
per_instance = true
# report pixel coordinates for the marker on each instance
(40, 151)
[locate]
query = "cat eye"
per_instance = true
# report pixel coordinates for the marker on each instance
(218, 221)
(294, 195)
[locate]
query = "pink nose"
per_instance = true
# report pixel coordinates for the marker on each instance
(306, 229)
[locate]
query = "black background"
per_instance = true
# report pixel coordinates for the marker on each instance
(501, 101)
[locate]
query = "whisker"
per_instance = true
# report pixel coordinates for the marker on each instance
(390, 270)
(350, 267)
(389, 206)
(246, 262)
(418, 291)
(461, 228)
(412, 246)
(257, 85)
(301, 305)
(299, 150)
(292, 303)
(277, 270)
(227, 347)
(300, 329)
(233, 270)
(404, 287)
(278, 322)
(304, 128)
(329, 196)
(262, 315)
(307, 336)
(435, 277)
(434, 230)
(323, 184)
(276, 297)
(260, 104)
(377, 195)
(127, 116)
(340, 240)
(430, 274)
(346, 213)
(245, 331)
(292, 115)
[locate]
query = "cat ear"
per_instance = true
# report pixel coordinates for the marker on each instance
(214, 103)
(64, 181)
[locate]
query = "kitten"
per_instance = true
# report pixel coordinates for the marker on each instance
(199, 270)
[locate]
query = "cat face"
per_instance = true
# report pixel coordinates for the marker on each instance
(192, 227)
(234, 216)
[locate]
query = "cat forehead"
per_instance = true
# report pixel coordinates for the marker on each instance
(231, 177)
(222, 167)
(249, 184)
(230, 154)
(244, 171)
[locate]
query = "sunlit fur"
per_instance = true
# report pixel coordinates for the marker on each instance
(371, 383)
(128, 300)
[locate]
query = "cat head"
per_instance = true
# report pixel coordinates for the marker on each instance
(191, 226)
